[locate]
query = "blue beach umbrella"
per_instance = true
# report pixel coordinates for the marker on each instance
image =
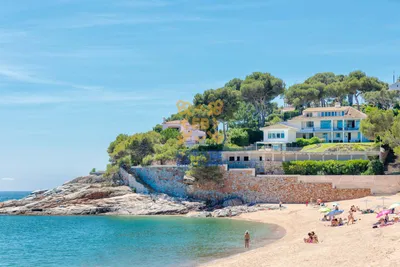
(334, 212)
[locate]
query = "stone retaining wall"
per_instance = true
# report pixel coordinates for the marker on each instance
(244, 184)
(132, 182)
(164, 179)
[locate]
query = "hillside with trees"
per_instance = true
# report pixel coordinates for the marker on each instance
(249, 105)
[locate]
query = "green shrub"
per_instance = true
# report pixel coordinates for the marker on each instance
(254, 135)
(168, 134)
(238, 137)
(199, 169)
(329, 167)
(375, 167)
(211, 147)
(93, 170)
(290, 114)
(301, 142)
(148, 160)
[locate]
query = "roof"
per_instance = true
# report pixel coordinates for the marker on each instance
(326, 109)
(350, 113)
(279, 126)
(172, 122)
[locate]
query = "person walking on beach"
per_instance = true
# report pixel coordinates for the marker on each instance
(280, 205)
(247, 239)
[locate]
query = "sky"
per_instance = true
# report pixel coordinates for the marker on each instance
(76, 73)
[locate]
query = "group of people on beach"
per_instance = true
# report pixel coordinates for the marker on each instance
(312, 238)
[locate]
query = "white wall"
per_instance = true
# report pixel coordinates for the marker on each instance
(290, 135)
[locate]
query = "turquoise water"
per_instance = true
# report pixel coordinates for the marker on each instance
(122, 241)
(7, 195)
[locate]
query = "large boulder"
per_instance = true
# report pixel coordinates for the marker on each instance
(189, 180)
(232, 202)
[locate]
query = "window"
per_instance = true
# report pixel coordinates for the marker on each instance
(276, 135)
(337, 135)
(310, 124)
(342, 113)
(325, 124)
(231, 158)
(238, 158)
(246, 158)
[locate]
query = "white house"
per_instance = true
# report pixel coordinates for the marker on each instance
(191, 136)
(278, 135)
(395, 86)
(332, 124)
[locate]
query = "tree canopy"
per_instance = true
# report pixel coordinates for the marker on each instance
(259, 89)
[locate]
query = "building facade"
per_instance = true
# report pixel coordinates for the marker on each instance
(191, 136)
(395, 86)
(331, 124)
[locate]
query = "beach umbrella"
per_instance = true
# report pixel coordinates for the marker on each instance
(394, 205)
(324, 209)
(383, 212)
(383, 200)
(334, 212)
(366, 201)
(335, 204)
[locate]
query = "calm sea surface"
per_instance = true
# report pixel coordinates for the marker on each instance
(121, 241)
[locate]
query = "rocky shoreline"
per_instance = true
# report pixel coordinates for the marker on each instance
(95, 195)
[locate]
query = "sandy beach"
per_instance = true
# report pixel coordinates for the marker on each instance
(354, 245)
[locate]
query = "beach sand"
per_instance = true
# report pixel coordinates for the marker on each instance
(354, 245)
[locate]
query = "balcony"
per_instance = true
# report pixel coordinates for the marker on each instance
(314, 129)
(346, 128)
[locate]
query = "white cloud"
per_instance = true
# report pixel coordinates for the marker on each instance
(7, 179)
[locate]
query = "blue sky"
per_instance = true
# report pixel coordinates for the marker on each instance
(75, 73)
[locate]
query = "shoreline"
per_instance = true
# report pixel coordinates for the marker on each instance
(356, 245)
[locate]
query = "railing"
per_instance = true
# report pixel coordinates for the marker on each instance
(319, 129)
(315, 129)
(346, 128)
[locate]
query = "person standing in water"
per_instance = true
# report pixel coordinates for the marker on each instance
(247, 239)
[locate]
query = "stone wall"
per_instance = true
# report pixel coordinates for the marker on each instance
(132, 182)
(379, 184)
(244, 184)
(252, 189)
(163, 179)
(264, 167)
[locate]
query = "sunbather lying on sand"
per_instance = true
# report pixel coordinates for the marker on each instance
(312, 238)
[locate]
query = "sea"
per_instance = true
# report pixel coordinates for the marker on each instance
(122, 240)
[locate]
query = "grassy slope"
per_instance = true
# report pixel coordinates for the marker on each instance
(327, 147)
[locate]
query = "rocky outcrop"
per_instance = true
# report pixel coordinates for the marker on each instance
(94, 195)
(233, 211)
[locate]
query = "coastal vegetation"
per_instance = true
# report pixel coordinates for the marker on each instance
(232, 117)
(333, 167)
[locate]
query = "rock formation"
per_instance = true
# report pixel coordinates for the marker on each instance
(91, 195)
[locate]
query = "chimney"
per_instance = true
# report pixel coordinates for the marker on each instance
(337, 105)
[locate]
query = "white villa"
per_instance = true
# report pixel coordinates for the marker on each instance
(395, 86)
(332, 124)
(191, 136)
